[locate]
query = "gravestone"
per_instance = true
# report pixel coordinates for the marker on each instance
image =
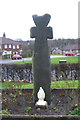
(41, 58)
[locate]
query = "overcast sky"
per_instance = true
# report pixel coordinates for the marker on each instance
(16, 17)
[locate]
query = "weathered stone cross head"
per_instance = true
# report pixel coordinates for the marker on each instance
(41, 30)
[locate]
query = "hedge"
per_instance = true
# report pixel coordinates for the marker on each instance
(24, 72)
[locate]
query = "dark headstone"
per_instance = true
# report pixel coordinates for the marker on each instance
(41, 58)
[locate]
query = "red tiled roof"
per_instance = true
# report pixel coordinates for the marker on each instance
(4, 40)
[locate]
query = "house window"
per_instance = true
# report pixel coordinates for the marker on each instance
(17, 46)
(13, 46)
(5, 46)
(9, 45)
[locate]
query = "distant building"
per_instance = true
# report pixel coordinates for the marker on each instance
(55, 50)
(72, 48)
(9, 46)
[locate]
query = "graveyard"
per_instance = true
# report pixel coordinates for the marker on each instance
(41, 90)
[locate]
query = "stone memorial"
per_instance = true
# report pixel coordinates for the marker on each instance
(41, 97)
(41, 58)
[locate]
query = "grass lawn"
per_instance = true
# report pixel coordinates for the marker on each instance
(70, 59)
(54, 84)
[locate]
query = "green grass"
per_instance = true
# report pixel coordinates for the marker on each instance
(70, 59)
(16, 85)
(65, 84)
(23, 62)
(54, 84)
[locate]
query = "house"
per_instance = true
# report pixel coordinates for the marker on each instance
(9, 47)
(55, 50)
(75, 48)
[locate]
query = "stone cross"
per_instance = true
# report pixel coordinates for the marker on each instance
(41, 58)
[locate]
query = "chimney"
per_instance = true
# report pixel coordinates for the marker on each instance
(4, 35)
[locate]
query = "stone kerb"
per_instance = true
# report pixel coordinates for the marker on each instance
(40, 117)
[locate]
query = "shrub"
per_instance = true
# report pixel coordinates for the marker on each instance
(4, 111)
(24, 71)
(26, 55)
(76, 111)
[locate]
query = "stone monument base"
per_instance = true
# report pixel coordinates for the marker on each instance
(41, 104)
